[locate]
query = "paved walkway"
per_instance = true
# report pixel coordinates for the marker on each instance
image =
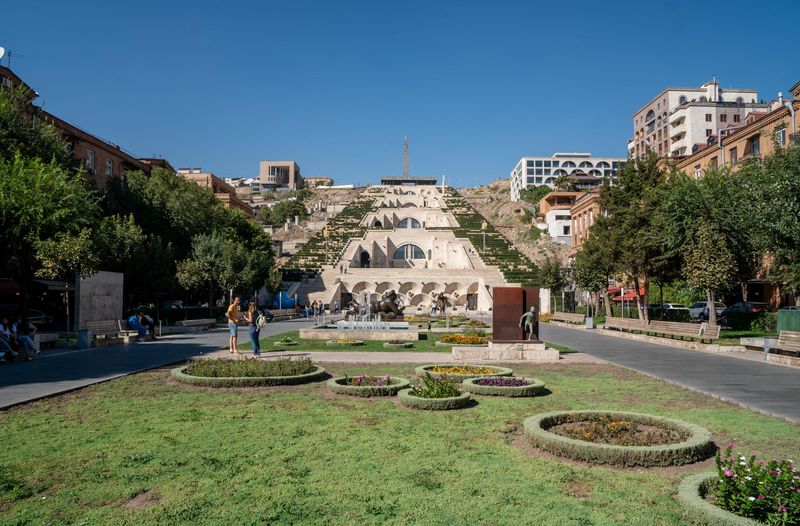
(763, 387)
(59, 371)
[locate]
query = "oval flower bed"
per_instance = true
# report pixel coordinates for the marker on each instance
(619, 438)
(367, 385)
(743, 492)
(434, 394)
(462, 372)
(249, 372)
(398, 344)
(503, 386)
(344, 342)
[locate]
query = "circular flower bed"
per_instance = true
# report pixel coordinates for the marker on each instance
(692, 493)
(398, 345)
(367, 385)
(248, 373)
(503, 386)
(344, 342)
(462, 372)
(434, 394)
(673, 442)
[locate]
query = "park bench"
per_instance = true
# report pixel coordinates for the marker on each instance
(283, 314)
(788, 343)
(104, 332)
(675, 329)
(710, 332)
(44, 339)
(625, 324)
(569, 317)
(204, 322)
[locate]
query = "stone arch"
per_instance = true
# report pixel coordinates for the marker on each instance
(431, 287)
(361, 286)
(383, 286)
(408, 287)
(452, 287)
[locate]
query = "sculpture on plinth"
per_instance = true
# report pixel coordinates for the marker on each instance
(530, 325)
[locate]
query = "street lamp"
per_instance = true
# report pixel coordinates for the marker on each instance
(484, 226)
(326, 233)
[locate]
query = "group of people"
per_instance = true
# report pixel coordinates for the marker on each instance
(142, 323)
(256, 320)
(16, 339)
(314, 310)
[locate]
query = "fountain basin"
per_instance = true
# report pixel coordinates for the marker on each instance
(327, 333)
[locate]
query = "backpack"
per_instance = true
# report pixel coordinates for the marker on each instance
(261, 321)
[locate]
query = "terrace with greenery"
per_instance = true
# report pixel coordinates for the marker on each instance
(498, 251)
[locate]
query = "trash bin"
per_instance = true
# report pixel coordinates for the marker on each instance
(84, 339)
(589, 322)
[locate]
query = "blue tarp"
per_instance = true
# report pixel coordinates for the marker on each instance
(283, 301)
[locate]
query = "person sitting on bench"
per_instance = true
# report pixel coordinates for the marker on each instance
(134, 325)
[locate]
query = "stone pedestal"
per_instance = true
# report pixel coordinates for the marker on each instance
(507, 350)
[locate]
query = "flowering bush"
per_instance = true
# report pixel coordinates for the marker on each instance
(367, 380)
(286, 339)
(435, 388)
(464, 339)
(461, 369)
(768, 492)
(501, 381)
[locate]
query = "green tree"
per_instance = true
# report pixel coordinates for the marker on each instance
(534, 194)
(565, 183)
(47, 215)
(594, 264)
(552, 275)
(708, 263)
(282, 211)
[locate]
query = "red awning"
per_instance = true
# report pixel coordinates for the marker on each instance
(630, 294)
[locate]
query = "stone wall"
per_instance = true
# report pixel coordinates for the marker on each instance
(98, 297)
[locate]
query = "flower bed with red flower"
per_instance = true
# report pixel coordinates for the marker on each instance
(367, 380)
(768, 492)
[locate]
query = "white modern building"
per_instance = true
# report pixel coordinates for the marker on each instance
(678, 119)
(586, 171)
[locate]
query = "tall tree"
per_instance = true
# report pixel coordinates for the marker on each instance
(708, 263)
(565, 183)
(552, 275)
(594, 265)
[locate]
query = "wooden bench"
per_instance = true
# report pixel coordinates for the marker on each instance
(710, 332)
(788, 343)
(104, 332)
(283, 314)
(625, 324)
(569, 317)
(203, 322)
(674, 329)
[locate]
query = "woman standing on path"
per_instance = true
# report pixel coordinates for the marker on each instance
(252, 327)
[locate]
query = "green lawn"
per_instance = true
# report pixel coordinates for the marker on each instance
(146, 450)
(427, 345)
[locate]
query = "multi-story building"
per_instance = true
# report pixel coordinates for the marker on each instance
(280, 174)
(583, 214)
(318, 180)
(101, 160)
(555, 216)
(757, 135)
(678, 119)
(586, 171)
(224, 192)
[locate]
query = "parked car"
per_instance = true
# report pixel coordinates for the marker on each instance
(791, 307)
(747, 306)
(39, 318)
(673, 306)
(698, 310)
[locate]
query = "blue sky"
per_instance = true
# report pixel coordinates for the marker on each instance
(336, 85)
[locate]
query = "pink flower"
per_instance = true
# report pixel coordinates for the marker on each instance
(730, 445)
(728, 473)
(761, 497)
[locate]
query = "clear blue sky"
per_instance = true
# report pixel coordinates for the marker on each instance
(335, 85)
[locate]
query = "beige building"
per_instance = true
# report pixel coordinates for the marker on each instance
(319, 180)
(555, 217)
(583, 215)
(224, 192)
(757, 136)
(677, 119)
(280, 174)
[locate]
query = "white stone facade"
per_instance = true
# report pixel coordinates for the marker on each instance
(538, 171)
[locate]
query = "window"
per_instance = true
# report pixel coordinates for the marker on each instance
(736, 118)
(555, 164)
(568, 164)
(723, 117)
(739, 101)
(539, 180)
(603, 164)
(703, 99)
(698, 172)
(734, 157)
(529, 164)
(90, 162)
(566, 230)
(408, 251)
(531, 180)
(530, 171)
(538, 171)
(547, 164)
(756, 145)
(562, 217)
(708, 117)
(538, 164)
(547, 171)
(713, 163)
(109, 167)
(709, 132)
(682, 100)
(650, 116)
(408, 222)
(585, 164)
(780, 135)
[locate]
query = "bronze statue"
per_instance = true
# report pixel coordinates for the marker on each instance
(441, 303)
(389, 307)
(530, 325)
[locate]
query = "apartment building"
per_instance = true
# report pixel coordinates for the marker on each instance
(280, 174)
(676, 120)
(583, 214)
(224, 192)
(586, 172)
(555, 216)
(758, 135)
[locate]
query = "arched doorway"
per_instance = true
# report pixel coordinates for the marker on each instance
(365, 259)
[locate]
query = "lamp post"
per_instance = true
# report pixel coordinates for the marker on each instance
(484, 226)
(326, 233)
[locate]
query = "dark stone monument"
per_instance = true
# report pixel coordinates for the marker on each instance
(509, 305)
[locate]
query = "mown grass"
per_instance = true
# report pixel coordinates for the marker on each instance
(147, 450)
(427, 345)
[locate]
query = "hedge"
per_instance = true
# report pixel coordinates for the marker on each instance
(422, 369)
(698, 446)
(433, 404)
(246, 381)
(368, 390)
(404, 345)
(533, 388)
(691, 494)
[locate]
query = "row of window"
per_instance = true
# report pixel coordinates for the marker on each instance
(723, 117)
(570, 164)
(547, 171)
(91, 164)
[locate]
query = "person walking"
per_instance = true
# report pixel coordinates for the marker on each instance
(252, 327)
(233, 324)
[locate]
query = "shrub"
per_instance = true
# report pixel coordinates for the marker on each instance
(368, 386)
(224, 368)
(697, 446)
(748, 321)
(430, 387)
(768, 492)
(693, 492)
(766, 322)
